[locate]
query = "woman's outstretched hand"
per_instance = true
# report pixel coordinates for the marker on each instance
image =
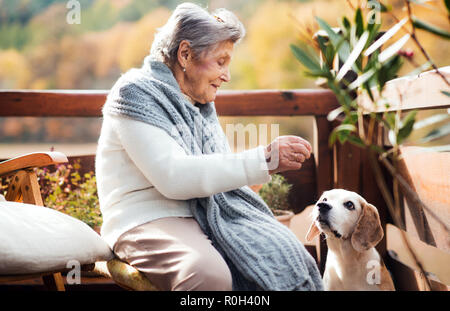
(287, 153)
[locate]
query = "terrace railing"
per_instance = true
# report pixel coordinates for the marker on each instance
(340, 166)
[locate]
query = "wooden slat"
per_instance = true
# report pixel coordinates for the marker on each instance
(275, 103)
(75, 103)
(72, 103)
(324, 154)
(427, 172)
(303, 181)
(422, 92)
(324, 175)
(31, 191)
(406, 93)
(35, 159)
(433, 260)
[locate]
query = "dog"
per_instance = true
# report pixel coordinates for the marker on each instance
(352, 229)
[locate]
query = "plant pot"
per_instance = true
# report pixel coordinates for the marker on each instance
(284, 216)
(256, 188)
(97, 229)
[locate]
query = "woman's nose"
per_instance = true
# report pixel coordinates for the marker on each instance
(226, 76)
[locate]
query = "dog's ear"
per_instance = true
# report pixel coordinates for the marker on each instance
(368, 231)
(312, 232)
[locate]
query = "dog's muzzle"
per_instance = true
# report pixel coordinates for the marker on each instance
(323, 212)
(324, 208)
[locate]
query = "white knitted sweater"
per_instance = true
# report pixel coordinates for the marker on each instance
(143, 174)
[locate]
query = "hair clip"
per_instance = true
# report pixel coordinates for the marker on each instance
(218, 19)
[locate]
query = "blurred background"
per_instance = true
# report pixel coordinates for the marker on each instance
(39, 49)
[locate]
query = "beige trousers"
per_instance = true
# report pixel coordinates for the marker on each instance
(174, 254)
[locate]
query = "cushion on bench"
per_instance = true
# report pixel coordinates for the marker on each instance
(36, 239)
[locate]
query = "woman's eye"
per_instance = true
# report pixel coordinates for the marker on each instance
(349, 205)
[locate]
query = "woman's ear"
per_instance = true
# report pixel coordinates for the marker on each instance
(368, 231)
(312, 232)
(184, 51)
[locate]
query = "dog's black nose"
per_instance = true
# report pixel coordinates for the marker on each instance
(323, 207)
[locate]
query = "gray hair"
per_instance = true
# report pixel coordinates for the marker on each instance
(201, 29)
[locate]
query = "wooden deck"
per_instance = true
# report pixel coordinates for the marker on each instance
(342, 166)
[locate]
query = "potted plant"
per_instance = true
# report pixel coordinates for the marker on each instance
(275, 193)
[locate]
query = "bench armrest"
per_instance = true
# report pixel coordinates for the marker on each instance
(35, 159)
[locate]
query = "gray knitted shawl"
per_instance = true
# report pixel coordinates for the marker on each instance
(262, 254)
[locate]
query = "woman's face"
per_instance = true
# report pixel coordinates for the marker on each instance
(205, 75)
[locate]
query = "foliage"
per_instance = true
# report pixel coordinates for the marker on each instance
(65, 190)
(15, 67)
(137, 42)
(14, 35)
(86, 56)
(352, 62)
(275, 193)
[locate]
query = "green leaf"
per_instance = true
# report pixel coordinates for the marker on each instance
(361, 79)
(343, 136)
(359, 22)
(437, 118)
(407, 126)
(430, 28)
(385, 37)
(368, 89)
(388, 71)
(332, 115)
(353, 56)
(419, 69)
(377, 149)
(393, 49)
(373, 31)
(445, 92)
(346, 23)
(355, 140)
(327, 50)
(305, 59)
(332, 35)
(337, 40)
(351, 118)
(390, 118)
(437, 133)
(443, 148)
(340, 128)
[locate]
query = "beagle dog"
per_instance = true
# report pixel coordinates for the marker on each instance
(352, 229)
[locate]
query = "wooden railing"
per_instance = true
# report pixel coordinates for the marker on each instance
(70, 103)
(341, 166)
(308, 182)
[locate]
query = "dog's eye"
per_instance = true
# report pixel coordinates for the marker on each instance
(324, 200)
(349, 205)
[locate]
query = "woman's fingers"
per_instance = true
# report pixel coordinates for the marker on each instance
(298, 140)
(301, 148)
(292, 151)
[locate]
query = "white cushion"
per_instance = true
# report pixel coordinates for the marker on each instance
(38, 239)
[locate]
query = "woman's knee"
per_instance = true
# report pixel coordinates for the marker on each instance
(204, 274)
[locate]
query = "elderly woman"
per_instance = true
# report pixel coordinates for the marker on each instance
(175, 200)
